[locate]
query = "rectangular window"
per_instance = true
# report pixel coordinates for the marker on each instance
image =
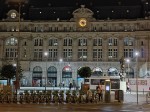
(82, 54)
(97, 54)
(67, 54)
(115, 53)
(52, 54)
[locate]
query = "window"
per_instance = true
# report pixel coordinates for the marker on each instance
(112, 53)
(142, 43)
(67, 54)
(112, 42)
(82, 42)
(97, 42)
(25, 53)
(11, 53)
(82, 54)
(52, 54)
(11, 48)
(97, 54)
(142, 53)
(38, 54)
(67, 42)
(128, 41)
(53, 42)
(128, 53)
(38, 42)
(11, 41)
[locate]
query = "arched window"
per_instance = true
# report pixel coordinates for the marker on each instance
(112, 41)
(82, 42)
(67, 72)
(52, 71)
(38, 42)
(67, 42)
(97, 42)
(128, 41)
(112, 71)
(97, 72)
(67, 75)
(53, 42)
(11, 41)
(11, 48)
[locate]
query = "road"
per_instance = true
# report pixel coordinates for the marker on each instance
(74, 108)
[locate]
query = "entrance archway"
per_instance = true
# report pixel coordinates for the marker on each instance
(52, 76)
(37, 77)
(67, 75)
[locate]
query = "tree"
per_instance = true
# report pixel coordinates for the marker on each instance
(8, 72)
(85, 72)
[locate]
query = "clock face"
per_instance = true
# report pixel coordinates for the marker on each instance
(82, 22)
(13, 15)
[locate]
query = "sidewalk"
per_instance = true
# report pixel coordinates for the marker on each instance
(129, 98)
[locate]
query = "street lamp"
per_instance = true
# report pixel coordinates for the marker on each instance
(136, 55)
(60, 60)
(46, 54)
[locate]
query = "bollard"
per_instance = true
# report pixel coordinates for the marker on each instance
(143, 91)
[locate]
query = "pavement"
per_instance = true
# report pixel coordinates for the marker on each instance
(129, 97)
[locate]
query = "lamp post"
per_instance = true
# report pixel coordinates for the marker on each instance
(60, 60)
(136, 55)
(46, 54)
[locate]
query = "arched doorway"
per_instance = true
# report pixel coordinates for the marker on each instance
(67, 75)
(129, 72)
(112, 72)
(97, 72)
(52, 76)
(37, 77)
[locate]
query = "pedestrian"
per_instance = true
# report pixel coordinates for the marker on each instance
(128, 88)
(70, 86)
(99, 92)
(89, 95)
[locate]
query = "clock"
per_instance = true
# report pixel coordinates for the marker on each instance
(13, 15)
(82, 22)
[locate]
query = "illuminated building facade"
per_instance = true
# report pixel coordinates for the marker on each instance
(74, 35)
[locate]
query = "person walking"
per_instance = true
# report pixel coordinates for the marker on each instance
(100, 92)
(89, 95)
(70, 86)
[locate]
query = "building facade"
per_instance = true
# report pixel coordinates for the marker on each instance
(51, 51)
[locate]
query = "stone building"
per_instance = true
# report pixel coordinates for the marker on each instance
(51, 40)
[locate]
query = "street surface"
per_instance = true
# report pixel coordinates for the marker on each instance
(74, 108)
